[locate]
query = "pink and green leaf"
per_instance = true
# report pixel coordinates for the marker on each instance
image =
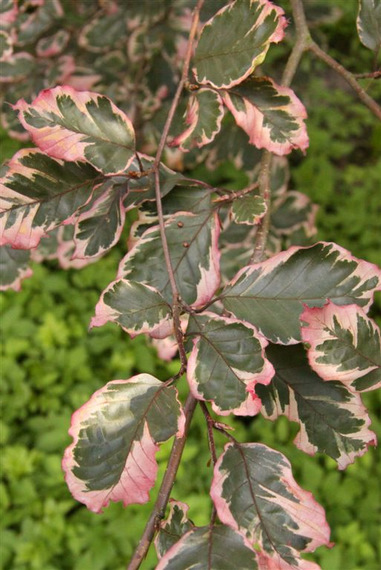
(104, 31)
(38, 194)
(193, 247)
(31, 25)
(210, 548)
(369, 24)
(226, 363)
(235, 41)
(344, 344)
(254, 492)
(16, 67)
(202, 119)
(332, 418)
(115, 439)
(271, 115)
(271, 295)
(53, 45)
(101, 221)
(173, 527)
(13, 267)
(292, 211)
(136, 307)
(80, 126)
(249, 209)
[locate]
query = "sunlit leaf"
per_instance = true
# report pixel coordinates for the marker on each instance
(173, 527)
(210, 548)
(369, 23)
(202, 119)
(235, 41)
(271, 115)
(115, 436)
(226, 363)
(80, 126)
(270, 295)
(255, 493)
(136, 307)
(332, 418)
(344, 344)
(13, 267)
(38, 194)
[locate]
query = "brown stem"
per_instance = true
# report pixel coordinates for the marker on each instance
(302, 41)
(349, 78)
(304, 35)
(264, 182)
(176, 305)
(165, 489)
(178, 446)
(369, 75)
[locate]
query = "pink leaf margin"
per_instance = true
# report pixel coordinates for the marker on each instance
(140, 470)
(317, 327)
(104, 314)
(57, 141)
(251, 120)
(252, 405)
(310, 515)
(278, 34)
(364, 270)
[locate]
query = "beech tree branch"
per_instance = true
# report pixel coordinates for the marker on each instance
(349, 78)
(165, 490)
(306, 42)
(190, 405)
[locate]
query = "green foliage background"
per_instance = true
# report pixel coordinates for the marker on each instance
(51, 364)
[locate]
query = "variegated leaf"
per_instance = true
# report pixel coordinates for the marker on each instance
(255, 493)
(292, 211)
(210, 548)
(173, 527)
(192, 241)
(31, 24)
(235, 41)
(38, 194)
(344, 345)
(226, 363)
(271, 115)
(202, 119)
(8, 13)
(332, 418)
(80, 126)
(53, 45)
(136, 307)
(16, 67)
(101, 221)
(248, 209)
(13, 267)
(270, 295)
(6, 45)
(141, 185)
(104, 31)
(369, 23)
(115, 436)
